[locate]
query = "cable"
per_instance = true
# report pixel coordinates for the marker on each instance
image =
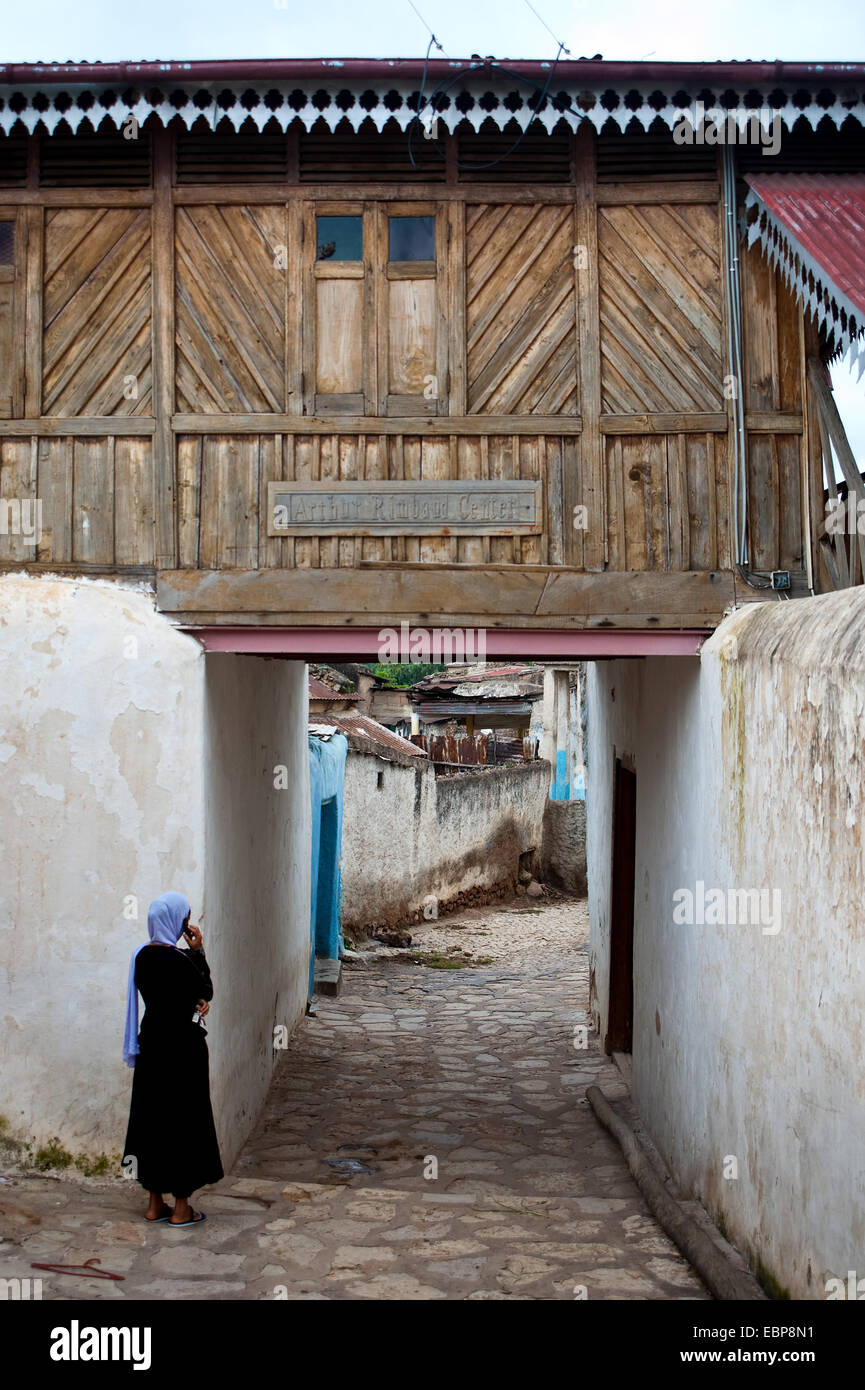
(445, 87)
(433, 39)
(548, 29)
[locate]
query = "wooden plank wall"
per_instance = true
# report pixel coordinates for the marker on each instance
(773, 342)
(96, 312)
(521, 310)
(223, 488)
(230, 309)
(669, 503)
(96, 494)
(660, 308)
(627, 352)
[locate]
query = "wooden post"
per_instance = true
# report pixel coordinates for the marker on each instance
(34, 225)
(35, 253)
(593, 491)
(163, 351)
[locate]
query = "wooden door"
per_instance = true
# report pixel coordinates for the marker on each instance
(621, 1003)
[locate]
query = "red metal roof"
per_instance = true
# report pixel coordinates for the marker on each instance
(825, 214)
(584, 69)
(319, 691)
(376, 733)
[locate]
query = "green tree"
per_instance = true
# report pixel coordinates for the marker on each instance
(404, 674)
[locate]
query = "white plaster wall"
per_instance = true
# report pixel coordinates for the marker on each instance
(418, 834)
(101, 796)
(131, 763)
(749, 1044)
(257, 893)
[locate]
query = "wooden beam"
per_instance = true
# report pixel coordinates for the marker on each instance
(186, 195)
(99, 426)
(294, 307)
(774, 422)
(35, 253)
(692, 191)
(164, 511)
(831, 423)
(456, 273)
(483, 425)
(467, 594)
(118, 572)
(79, 197)
(666, 422)
(589, 361)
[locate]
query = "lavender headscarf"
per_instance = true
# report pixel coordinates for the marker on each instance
(165, 918)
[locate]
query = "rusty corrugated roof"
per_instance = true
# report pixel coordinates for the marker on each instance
(813, 227)
(453, 676)
(377, 733)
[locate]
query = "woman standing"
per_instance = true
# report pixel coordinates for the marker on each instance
(171, 1137)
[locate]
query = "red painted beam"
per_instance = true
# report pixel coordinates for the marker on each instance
(363, 644)
(330, 69)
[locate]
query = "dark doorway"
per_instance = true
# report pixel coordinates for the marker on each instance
(621, 1009)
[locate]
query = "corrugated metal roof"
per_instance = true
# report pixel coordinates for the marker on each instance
(499, 689)
(826, 215)
(377, 733)
(813, 227)
(476, 675)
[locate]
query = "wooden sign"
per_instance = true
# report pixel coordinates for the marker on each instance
(504, 507)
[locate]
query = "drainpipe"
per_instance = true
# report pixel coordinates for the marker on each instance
(734, 356)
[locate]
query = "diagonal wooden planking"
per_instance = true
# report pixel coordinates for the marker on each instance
(230, 329)
(97, 312)
(521, 311)
(660, 306)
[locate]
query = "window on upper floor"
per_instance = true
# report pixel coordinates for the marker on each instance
(374, 324)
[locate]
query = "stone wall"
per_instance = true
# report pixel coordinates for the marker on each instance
(409, 835)
(563, 849)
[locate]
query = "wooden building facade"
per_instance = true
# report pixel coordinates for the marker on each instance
(485, 361)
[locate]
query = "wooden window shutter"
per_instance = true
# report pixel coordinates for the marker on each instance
(412, 346)
(11, 315)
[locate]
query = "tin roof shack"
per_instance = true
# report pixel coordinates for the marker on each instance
(382, 701)
(417, 844)
(324, 700)
(263, 343)
(479, 714)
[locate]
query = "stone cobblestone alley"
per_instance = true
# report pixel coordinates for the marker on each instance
(474, 1068)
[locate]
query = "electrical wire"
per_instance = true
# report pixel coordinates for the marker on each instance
(444, 87)
(433, 39)
(548, 29)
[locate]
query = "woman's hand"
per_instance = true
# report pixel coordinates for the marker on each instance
(203, 1007)
(193, 936)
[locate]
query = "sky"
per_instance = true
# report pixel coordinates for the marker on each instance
(674, 30)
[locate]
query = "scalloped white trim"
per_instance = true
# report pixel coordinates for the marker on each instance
(380, 114)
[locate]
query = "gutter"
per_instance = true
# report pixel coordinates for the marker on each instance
(281, 69)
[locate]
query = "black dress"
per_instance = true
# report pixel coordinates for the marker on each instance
(171, 1134)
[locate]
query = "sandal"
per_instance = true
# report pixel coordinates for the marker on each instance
(154, 1220)
(197, 1218)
